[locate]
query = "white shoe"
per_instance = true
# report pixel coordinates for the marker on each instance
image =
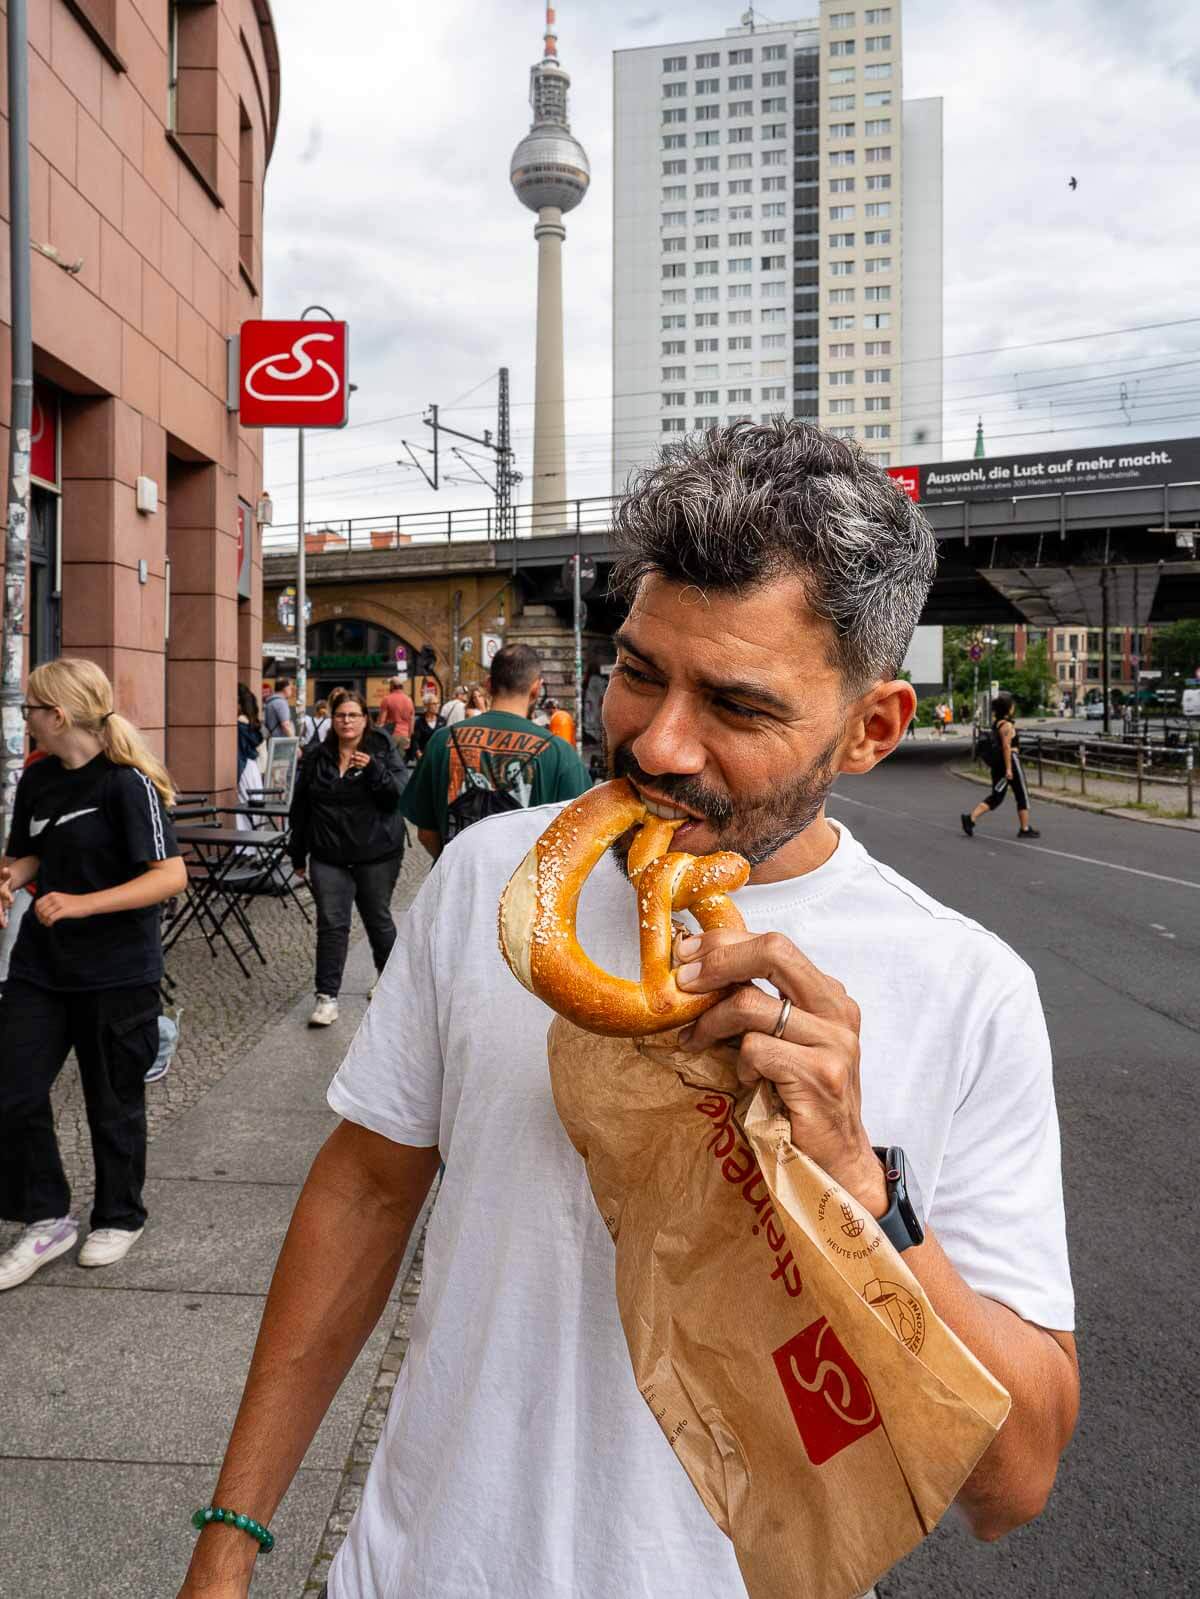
(324, 1012)
(38, 1245)
(104, 1246)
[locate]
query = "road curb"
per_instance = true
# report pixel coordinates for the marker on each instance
(1120, 813)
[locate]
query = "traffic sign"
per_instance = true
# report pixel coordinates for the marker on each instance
(294, 374)
(285, 609)
(587, 575)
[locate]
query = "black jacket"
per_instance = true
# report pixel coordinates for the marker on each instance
(249, 738)
(353, 819)
(422, 733)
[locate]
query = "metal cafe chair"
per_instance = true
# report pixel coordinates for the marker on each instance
(226, 867)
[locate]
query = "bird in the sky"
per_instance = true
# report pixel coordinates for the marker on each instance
(1072, 183)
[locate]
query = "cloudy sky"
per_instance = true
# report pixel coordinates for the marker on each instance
(388, 201)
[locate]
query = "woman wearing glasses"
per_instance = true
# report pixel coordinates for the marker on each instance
(348, 838)
(90, 826)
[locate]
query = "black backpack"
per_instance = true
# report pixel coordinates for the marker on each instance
(988, 747)
(493, 781)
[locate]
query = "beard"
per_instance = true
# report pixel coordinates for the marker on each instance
(755, 826)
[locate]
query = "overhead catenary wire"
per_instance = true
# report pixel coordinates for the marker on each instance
(603, 441)
(961, 355)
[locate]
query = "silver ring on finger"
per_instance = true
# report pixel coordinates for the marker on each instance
(785, 1010)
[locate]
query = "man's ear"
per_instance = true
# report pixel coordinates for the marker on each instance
(876, 724)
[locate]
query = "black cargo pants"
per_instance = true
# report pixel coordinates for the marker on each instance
(114, 1033)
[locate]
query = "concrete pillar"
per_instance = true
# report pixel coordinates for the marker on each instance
(549, 427)
(203, 646)
(112, 608)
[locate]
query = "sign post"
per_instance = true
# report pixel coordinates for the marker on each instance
(301, 588)
(292, 374)
(582, 571)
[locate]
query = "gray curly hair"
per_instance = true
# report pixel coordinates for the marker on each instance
(737, 506)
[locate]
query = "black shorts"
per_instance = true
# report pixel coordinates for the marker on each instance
(1001, 786)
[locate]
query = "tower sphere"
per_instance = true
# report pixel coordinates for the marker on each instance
(549, 167)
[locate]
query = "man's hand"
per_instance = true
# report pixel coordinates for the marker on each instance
(6, 893)
(51, 908)
(815, 1069)
(814, 1064)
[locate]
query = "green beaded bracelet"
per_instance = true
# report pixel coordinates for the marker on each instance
(231, 1518)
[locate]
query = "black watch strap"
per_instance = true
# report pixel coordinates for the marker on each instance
(900, 1224)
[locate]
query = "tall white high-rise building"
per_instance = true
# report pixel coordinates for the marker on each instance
(777, 238)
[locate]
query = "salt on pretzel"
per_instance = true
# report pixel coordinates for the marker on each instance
(538, 914)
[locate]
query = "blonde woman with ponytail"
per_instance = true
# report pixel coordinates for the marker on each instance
(90, 827)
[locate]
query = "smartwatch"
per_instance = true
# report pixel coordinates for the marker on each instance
(902, 1223)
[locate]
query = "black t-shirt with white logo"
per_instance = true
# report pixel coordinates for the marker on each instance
(92, 827)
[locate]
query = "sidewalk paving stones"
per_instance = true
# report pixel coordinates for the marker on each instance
(121, 1384)
(158, 1378)
(95, 1530)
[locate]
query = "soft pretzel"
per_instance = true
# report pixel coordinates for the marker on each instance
(538, 910)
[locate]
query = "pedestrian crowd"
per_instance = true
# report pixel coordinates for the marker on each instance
(92, 859)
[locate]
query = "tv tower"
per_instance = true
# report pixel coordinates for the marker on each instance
(550, 174)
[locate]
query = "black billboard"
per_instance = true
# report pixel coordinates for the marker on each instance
(1111, 466)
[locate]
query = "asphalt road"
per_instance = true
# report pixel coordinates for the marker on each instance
(1107, 912)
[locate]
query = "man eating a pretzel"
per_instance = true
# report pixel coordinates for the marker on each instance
(774, 579)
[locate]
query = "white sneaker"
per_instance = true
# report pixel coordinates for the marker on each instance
(104, 1246)
(324, 1012)
(40, 1243)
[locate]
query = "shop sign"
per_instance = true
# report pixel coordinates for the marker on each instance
(349, 663)
(245, 550)
(44, 436)
(293, 374)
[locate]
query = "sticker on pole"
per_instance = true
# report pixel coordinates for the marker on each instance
(294, 374)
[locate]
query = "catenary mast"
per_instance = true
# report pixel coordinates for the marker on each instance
(550, 175)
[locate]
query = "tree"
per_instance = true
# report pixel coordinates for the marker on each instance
(1175, 650)
(1028, 683)
(1031, 681)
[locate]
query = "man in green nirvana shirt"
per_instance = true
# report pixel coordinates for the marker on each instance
(497, 752)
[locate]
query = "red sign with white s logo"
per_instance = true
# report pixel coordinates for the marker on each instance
(43, 436)
(907, 478)
(294, 374)
(832, 1404)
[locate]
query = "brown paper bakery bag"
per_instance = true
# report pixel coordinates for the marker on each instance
(824, 1414)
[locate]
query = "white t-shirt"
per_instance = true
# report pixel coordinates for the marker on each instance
(453, 711)
(519, 1460)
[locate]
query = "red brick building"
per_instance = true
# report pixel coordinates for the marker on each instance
(152, 123)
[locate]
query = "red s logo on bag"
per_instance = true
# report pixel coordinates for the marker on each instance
(832, 1403)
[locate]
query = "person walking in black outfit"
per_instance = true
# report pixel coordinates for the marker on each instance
(90, 825)
(425, 726)
(1004, 754)
(348, 838)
